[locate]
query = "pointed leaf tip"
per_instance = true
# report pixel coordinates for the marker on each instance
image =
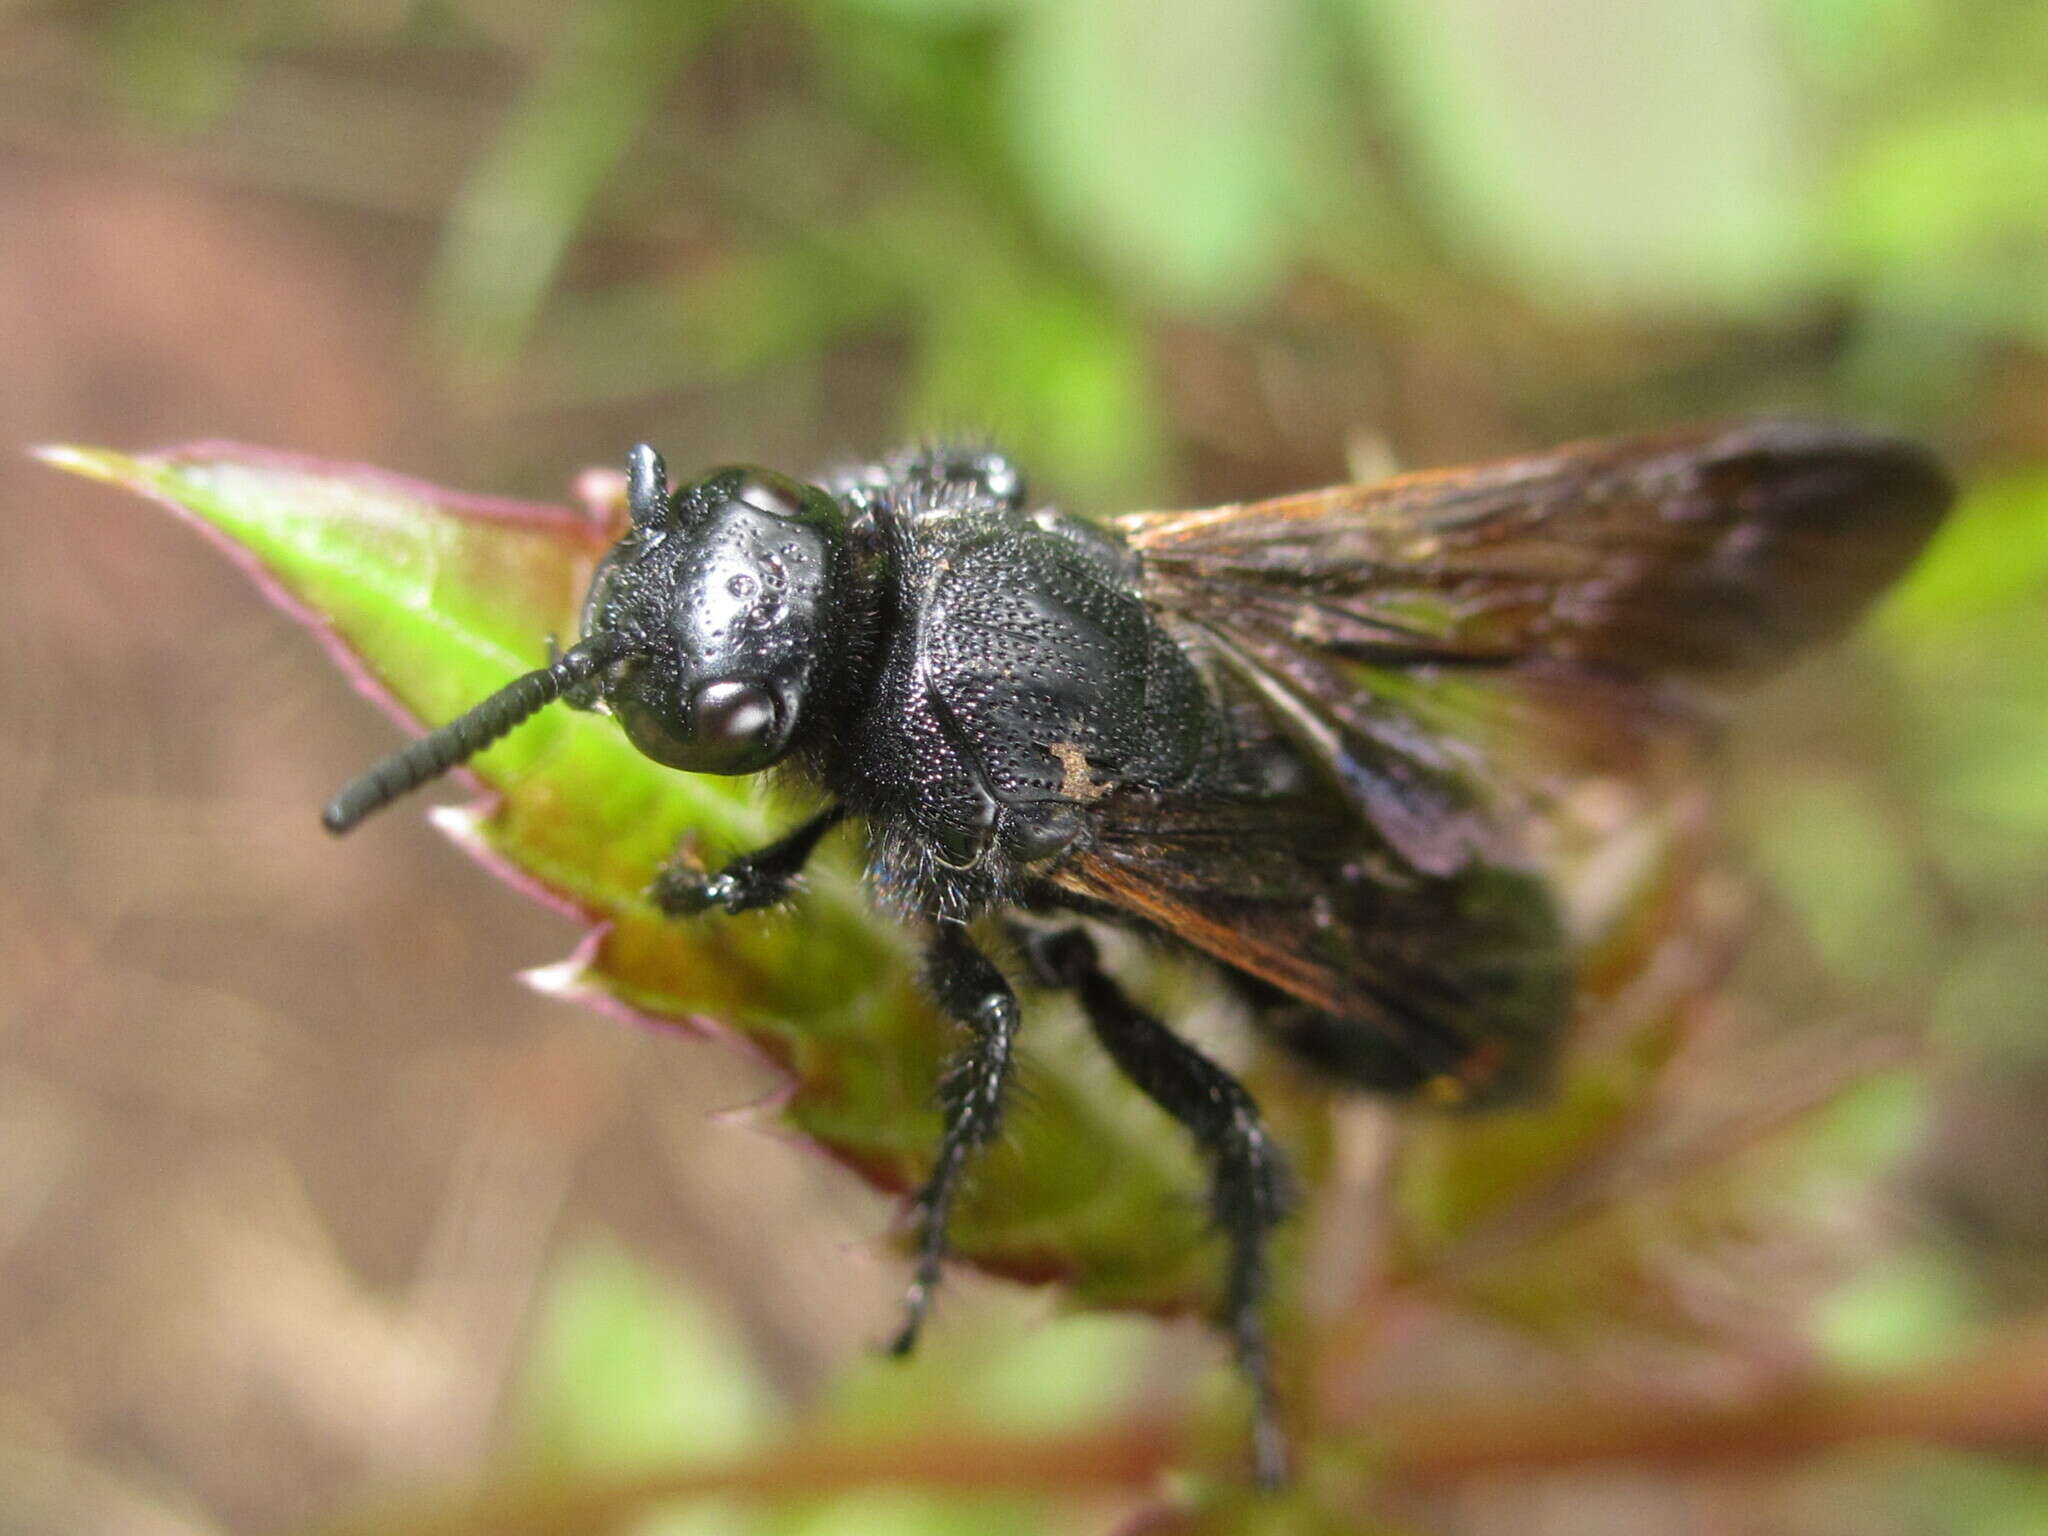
(462, 825)
(567, 978)
(101, 464)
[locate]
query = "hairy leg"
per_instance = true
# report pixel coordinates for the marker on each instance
(1250, 1191)
(973, 994)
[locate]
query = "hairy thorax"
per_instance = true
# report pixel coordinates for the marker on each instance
(1022, 680)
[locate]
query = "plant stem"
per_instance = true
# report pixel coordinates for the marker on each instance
(1995, 1400)
(1117, 1458)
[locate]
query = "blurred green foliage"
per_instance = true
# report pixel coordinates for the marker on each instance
(1024, 189)
(628, 1373)
(1024, 193)
(508, 232)
(1172, 249)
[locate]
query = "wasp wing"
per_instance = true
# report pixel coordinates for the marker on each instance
(1690, 554)
(1453, 985)
(1465, 660)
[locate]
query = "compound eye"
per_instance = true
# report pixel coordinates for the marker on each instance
(731, 720)
(766, 491)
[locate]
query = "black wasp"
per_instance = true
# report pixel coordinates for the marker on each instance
(1313, 738)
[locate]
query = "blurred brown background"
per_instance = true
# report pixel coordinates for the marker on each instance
(286, 1154)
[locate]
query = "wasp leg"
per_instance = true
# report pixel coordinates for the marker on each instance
(759, 879)
(1250, 1190)
(972, 993)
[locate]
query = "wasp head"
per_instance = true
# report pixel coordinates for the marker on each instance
(721, 597)
(704, 632)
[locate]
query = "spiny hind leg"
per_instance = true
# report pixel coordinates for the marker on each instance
(1250, 1190)
(971, 992)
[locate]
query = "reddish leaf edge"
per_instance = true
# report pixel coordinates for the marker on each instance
(599, 504)
(592, 519)
(589, 524)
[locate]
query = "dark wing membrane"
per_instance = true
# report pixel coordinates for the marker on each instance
(1689, 554)
(1456, 986)
(1452, 647)
(1483, 669)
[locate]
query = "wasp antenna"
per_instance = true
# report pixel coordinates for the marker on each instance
(646, 486)
(468, 733)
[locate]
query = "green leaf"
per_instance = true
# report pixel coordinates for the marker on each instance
(432, 599)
